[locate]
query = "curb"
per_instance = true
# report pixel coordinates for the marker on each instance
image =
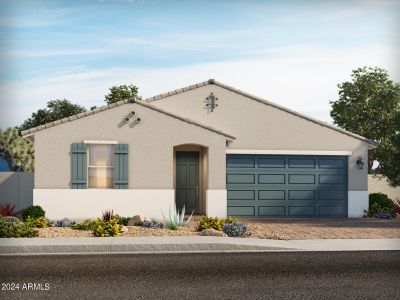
(188, 244)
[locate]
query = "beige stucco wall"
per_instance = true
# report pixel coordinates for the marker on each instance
(380, 185)
(151, 144)
(257, 126)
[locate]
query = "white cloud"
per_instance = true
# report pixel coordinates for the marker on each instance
(302, 80)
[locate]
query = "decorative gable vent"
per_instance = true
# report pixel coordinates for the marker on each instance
(210, 103)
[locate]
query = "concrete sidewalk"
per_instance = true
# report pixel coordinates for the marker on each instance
(194, 244)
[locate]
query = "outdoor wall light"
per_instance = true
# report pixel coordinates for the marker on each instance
(360, 163)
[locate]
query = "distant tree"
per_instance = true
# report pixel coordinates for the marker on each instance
(368, 106)
(16, 151)
(122, 92)
(55, 110)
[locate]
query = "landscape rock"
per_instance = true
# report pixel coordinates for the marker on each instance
(137, 220)
(213, 232)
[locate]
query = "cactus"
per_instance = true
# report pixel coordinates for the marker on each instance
(18, 152)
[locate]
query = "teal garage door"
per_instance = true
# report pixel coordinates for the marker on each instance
(286, 186)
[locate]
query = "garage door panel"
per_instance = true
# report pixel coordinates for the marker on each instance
(331, 179)
(301, 195)
(330, 211)
(332, 195)
(244, 211)
(287, 186)
(301, 211)
(240, 162)
(301, 179)
(301, 163)
(271, 211)
(271, 195)
(331, 163)
(241, 178)
(271, 178)
(271, 162)
(241, 195)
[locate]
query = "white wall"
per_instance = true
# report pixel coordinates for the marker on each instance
(216, 203)
(357, 203)
(89, 203)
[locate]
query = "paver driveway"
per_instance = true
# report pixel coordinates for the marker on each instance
(301, 229)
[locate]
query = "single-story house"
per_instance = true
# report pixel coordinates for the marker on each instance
(211, 147)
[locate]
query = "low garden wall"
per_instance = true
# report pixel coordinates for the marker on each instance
(376, 185)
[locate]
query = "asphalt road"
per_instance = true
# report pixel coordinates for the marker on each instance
(307, 275)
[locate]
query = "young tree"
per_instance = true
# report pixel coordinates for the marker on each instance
(16, 151)
(368, 106)
(55, 110)
(122, 92)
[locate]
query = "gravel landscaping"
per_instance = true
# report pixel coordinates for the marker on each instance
(280, 229)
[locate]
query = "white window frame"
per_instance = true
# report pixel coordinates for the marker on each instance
(95, 142)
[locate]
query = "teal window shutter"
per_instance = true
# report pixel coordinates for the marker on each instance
(79, 166)
(121, 166)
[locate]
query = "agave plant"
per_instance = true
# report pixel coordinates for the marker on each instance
(175, 218)
(8, 210)
(107, 215)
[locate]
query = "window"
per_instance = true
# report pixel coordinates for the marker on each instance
(101, 166)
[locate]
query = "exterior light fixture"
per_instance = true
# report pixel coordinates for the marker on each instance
(210, 103)
(360, 163)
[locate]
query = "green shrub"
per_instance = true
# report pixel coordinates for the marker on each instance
(85, 225)
(108, 228)
(381, 199)
(122, 220)
(34, 211)
(214, 222)
(379, 202)
(15, 230)
(41, 222)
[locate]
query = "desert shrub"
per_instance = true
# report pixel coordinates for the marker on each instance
(63, 223)
(176, 219)
(109, 228)
(214, 222)
(15, 230)
(33, 211)
(8, 210)
(383, 215)
(379, 203)
(152, 224)
(85, 225)
(234, 229)
(122, 220)
(40, 222)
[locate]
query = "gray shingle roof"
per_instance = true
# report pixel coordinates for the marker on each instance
(192, 87)
(31, 131)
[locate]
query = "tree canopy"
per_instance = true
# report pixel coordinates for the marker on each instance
(16, 151)
(368, 105)
(55, 110)
(122, 92)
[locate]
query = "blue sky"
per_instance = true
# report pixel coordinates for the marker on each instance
(290, 52)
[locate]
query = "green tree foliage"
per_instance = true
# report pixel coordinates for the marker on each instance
(122, 92)
(55, 110)
(368, 105)
(390, 166)
(16, 151)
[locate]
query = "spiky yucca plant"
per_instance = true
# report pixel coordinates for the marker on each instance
(175, 218)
